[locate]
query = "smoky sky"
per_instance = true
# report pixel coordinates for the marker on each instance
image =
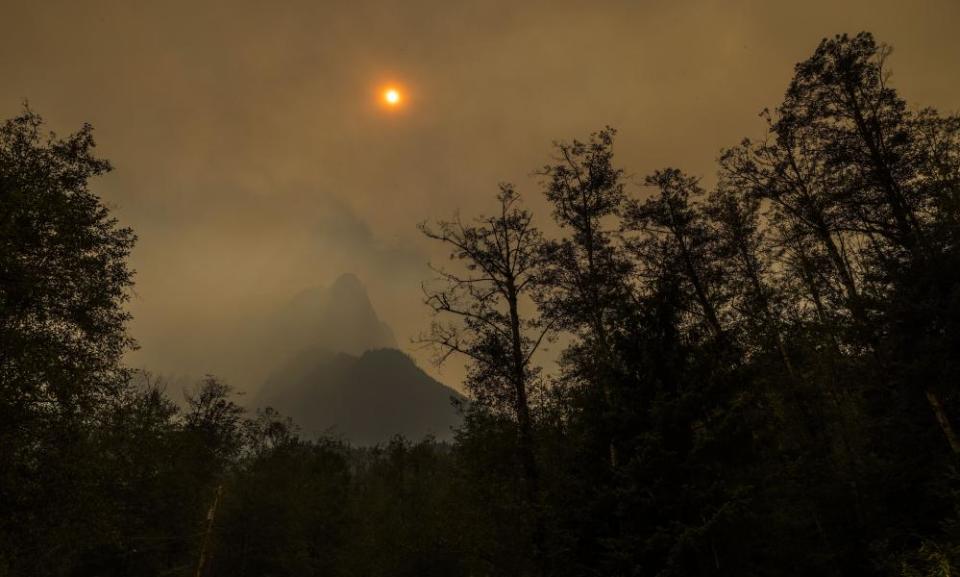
(253, 161)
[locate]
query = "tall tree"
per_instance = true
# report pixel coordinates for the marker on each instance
(63, 282)
(486, 314)
(585, 271)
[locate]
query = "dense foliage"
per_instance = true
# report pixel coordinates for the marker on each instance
(756, 378)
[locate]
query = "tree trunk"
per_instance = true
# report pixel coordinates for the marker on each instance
(205, 545)
(525, 430)
(941, 414)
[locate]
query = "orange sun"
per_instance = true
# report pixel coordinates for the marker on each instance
(391, 96)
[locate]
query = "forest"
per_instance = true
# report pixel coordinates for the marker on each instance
(752, 378)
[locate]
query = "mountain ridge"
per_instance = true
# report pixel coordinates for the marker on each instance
(365, 399)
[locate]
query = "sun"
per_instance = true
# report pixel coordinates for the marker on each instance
(391, 96)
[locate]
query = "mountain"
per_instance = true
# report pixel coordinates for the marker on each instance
(337, 319)
(365, 399)
(344, 374)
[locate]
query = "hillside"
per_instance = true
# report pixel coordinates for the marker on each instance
(365, 399)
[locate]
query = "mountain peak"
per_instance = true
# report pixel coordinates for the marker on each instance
(339, 319)
(348, 283)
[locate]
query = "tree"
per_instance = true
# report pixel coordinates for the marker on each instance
(862, 193)
(483, 315)
(214, 417)
(674, 234)
(585, 273)
(584, 269)
(63, 282)
(63, 273)
(285, 509)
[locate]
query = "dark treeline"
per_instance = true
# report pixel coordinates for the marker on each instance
(756, 379)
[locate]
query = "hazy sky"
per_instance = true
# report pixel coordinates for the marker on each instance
(253, 160)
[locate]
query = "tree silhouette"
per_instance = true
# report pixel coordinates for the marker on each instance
(501, 258)
(63, 282)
